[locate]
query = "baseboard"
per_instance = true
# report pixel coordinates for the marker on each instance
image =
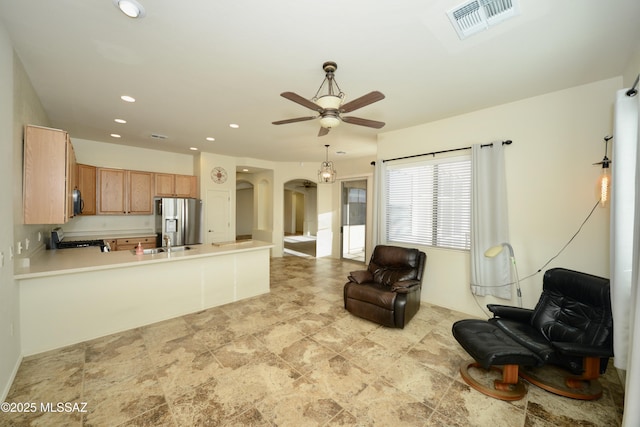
(7, 386)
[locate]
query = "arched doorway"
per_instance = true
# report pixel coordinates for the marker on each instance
(300, 222)
(244, 210)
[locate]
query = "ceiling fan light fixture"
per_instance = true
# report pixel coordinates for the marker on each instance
(330, 106)
(329, 102)
(329, 121)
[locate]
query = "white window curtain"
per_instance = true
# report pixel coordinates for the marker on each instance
(489, 222)
(625, 250)
(379, 217)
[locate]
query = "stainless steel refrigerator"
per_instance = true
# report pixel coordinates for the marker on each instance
(180, 220)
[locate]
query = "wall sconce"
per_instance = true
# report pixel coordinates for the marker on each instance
(327, 174)
(603, 188)
(494, 251)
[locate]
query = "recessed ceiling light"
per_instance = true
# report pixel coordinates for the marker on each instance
(245, 170)
(115, 135)
(131, 8)
(210, 138)
(120, 121)
(234, 126)
(128, 98)
(193, 149)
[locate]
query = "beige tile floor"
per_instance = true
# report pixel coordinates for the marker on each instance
(293, 357)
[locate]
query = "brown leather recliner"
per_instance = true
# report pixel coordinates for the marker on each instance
(388, 291)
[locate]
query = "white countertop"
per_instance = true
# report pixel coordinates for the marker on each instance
(68, 261)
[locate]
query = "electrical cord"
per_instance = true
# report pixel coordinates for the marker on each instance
(475, 297)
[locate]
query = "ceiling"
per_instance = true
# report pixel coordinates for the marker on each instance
(196, 67)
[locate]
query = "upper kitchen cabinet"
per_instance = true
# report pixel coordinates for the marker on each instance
(170, 185)
(87, 187)
(124, 192)
(49, 172)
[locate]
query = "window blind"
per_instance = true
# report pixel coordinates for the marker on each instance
(429, 203)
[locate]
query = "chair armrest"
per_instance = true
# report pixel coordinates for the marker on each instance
(581, 350)
(360, 276)
(405, 286)
(509, 312)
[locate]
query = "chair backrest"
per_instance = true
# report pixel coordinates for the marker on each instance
(390, 264)
(574, 307)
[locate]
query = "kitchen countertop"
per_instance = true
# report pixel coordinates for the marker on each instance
(68, 261)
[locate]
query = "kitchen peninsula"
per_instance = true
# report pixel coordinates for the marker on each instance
(73, 295)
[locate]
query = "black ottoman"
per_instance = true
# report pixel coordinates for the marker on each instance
(489, 346)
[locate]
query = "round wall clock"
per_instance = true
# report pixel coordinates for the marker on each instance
(218, 175)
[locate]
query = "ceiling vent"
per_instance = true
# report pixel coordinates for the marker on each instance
(158, 136)
(478, 15)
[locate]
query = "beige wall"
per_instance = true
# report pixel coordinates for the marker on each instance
(632, 69)
(9, 315)
(550, 184)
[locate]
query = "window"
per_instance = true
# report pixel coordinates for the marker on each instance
(429, 203)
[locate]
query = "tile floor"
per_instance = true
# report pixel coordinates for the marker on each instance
(293, 357)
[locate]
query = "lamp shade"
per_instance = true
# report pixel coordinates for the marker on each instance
(329, 102)
(329, 121)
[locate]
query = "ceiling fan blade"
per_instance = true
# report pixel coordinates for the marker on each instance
(364, 100)
(297, 119)
(323, 131)
(363, 122)
(300, 100)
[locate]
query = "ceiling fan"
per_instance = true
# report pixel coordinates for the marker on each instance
(307, 184)
(330, 106)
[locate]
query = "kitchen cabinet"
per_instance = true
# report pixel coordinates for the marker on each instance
(124, 192)
(48, 180)
(172, 185)
(87, 187)
(128, 243)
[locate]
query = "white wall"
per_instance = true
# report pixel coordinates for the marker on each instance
(9, 338)
(550, 184)
(19, 105)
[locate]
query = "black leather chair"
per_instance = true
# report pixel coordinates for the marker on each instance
(388, 291)
(571, 327)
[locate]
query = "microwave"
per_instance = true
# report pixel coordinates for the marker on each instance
(77, 202)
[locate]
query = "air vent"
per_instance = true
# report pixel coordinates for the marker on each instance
(158, 136)
(478, 15)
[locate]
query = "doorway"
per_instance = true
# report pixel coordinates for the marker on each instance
(354, 219)
(244, 210)
(300, 218)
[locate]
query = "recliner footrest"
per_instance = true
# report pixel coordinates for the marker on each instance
(490, 346)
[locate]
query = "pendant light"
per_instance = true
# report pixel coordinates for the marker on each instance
(603, 188)
(326, 174)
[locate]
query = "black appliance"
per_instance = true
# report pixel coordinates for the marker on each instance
(58, 242)
(78, 204)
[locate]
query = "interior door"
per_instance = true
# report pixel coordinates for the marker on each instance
(218, 214)
(354, 218)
